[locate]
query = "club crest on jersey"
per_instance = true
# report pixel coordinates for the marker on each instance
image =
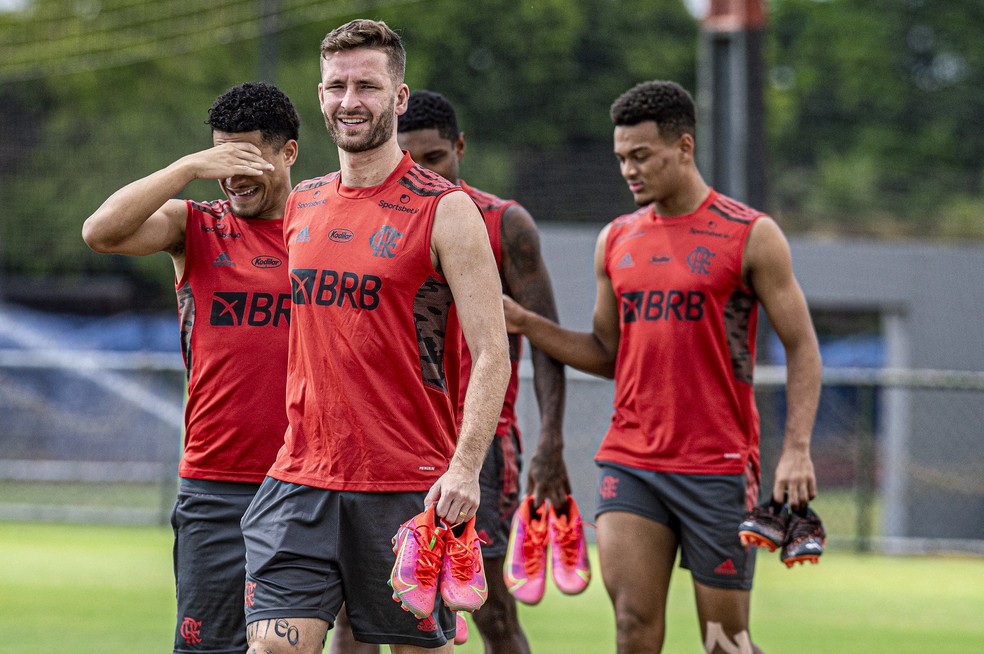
(699, 260)
(384, 241)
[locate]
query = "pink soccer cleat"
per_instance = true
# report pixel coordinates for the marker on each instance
(525, 567)
(463, 584)
(460, 629)
(419, 547)
(568, 550)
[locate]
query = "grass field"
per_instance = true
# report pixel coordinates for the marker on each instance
(109, 590)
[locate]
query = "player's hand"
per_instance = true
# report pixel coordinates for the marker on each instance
(795, 479)
(457, 496)
(230, 159)
(515, 315)
(547, 478)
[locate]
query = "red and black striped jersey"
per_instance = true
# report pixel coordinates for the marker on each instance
(493, 208)
(684, 400)
(234, 308)
(372, 366)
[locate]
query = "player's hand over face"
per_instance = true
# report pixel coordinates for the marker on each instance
(228, 160)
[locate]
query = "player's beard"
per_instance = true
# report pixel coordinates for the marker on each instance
(379, 132)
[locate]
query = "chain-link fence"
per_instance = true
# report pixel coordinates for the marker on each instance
(95, 437)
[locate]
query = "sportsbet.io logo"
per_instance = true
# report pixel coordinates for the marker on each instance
(239, 309)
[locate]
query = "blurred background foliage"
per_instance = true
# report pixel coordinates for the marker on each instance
(872, 108)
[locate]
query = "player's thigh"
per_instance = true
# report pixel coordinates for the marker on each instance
(709, 509)
(500, 607)
(286, 636)
(343, 640)
(209, 565)
(636, 555)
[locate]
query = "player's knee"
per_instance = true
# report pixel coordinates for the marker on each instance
(496, 620)
(633, 626)
(284, 636)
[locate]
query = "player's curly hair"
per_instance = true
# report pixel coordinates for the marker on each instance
(666, 103)
(256, 106)
(365, 33)
(429, 110)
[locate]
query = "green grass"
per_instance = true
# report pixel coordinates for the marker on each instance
(109, 590)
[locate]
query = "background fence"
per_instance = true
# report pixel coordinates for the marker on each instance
(91, 436)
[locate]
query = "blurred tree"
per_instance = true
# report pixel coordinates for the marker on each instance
(873, 112)
(872, 105)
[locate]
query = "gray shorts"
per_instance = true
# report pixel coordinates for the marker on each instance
(704, 512)
(308, 550)
(499, 482)
(209, 565)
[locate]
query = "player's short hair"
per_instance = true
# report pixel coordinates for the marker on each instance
(364, 33)
(666, 103)
(429, 110)
(256, 106)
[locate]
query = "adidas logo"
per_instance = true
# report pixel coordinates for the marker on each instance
(726, 568)
(303, 236)
(427, 624)
(626, 261)
(223, 260)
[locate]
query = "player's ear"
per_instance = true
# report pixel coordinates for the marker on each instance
(687, 146)
(289, 152)
(402, 100)
(459, 146)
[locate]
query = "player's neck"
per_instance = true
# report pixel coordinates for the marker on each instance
(685, 200)
(369, 168)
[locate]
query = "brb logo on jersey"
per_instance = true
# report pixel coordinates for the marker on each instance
(383, 242)
(237, 309)
(649, 306)
(329, 287)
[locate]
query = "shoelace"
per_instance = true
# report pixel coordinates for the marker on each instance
(766, 517)
(535, 546)
(804, 527)
(566, 538)
(428, 561)
(464, 563)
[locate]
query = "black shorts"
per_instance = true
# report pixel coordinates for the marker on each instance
(209, 565)
(499, 482)
(308, 550)
(704, 512)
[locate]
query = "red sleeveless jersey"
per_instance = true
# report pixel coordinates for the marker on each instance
(371, 361)
(492, 208)
(234, 307)
(684, 401)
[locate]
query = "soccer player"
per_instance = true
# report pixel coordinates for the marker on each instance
(378, 252)
(233, 303)
(679, 283)
(429, 132)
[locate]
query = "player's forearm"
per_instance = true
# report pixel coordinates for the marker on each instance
(803, 381)
(126, 210)
(483, 404)
(550, 388)
(582, 350)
